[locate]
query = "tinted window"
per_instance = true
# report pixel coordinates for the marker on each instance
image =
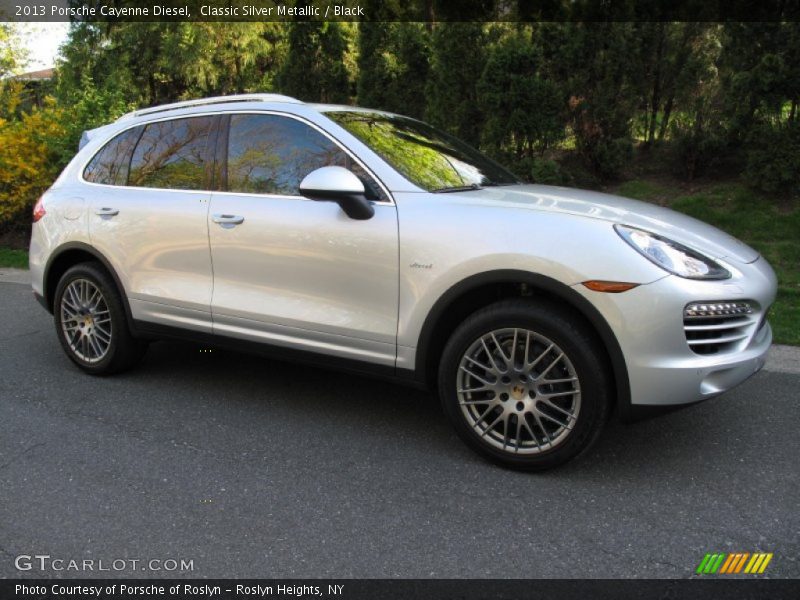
(172, 154)
(269, 154)
(110, 165)
(432, 159)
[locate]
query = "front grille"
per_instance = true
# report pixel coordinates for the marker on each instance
(717, 327)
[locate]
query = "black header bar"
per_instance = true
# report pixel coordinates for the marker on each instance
(399, 10)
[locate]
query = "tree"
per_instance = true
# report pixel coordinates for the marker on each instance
(759, 74)
(314, 69)
(673, 59)
(393, 66)
(524, 111)
(226, 58)
(457, 61)
(128, 58)
(374, 65)
(153, 63)
(13, 56)
(596, 67)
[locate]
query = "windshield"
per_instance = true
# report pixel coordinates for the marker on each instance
(429, 158)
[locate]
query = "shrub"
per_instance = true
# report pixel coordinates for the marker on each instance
(595, 140)
(695, 150)
(772, 158)
(549, 172)
(28, 161)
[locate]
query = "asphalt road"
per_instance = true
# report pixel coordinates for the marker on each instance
(253, 468)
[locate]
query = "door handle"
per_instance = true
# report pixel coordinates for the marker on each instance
(228, 219)
(106, 212)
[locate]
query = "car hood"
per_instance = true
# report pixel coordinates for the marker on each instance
(625, 211)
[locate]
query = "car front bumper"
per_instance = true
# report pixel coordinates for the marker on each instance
(663, 369)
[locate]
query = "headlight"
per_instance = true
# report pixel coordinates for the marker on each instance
(671, 256)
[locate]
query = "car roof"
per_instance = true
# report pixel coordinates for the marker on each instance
(214, 100)
(227, 103)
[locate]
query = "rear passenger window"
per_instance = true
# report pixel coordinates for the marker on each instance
(269, 154)
(172, 155)
(110, 165)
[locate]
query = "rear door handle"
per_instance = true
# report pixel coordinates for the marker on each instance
(106, 212)
(229, 220)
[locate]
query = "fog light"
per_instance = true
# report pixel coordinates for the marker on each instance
(716, 309)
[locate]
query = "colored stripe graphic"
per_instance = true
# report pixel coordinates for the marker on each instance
(718, 563)
(727, 564)
(714, 563)
(730, 563)
(701, 567)
(741, 562)
(754, 563)
(764, 564)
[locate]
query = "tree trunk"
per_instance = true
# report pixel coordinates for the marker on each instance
(665, 119)
(151, 81)
(237, 62)
(655, 100)
(671, 80)
(691, 161)
(430, 14)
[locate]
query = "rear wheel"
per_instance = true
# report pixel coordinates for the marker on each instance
(524, 384)
(91, 323)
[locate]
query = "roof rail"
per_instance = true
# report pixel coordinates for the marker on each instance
(212, 100)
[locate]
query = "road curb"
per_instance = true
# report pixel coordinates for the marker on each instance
(15, 276)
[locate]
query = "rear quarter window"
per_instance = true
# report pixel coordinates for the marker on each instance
(111, 164)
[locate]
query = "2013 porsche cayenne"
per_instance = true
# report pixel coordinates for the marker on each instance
(372, 241)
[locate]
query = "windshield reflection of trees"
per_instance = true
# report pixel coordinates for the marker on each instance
(427, 158)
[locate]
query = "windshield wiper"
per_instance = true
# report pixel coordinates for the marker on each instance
(459, 188)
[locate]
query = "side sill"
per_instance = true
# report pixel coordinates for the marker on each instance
(153, 331)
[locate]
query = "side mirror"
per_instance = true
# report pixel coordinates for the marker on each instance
(337, 184)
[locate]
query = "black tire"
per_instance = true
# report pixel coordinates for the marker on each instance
(124, 350)
(587, 361)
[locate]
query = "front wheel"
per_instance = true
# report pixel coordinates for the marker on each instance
(524, 384)
(91, 323)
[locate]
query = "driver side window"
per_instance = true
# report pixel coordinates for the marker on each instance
(270, 154)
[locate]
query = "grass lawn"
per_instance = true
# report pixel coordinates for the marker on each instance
(771, 229)
(17, 259)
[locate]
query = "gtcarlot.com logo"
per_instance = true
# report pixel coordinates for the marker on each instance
(45, 562)
(734, 563)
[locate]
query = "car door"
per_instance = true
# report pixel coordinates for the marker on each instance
(152, 222)
(292, 271)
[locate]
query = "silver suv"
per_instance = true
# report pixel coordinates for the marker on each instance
(374, 242)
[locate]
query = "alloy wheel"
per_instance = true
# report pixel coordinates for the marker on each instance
(86, 320)
(518, 390)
